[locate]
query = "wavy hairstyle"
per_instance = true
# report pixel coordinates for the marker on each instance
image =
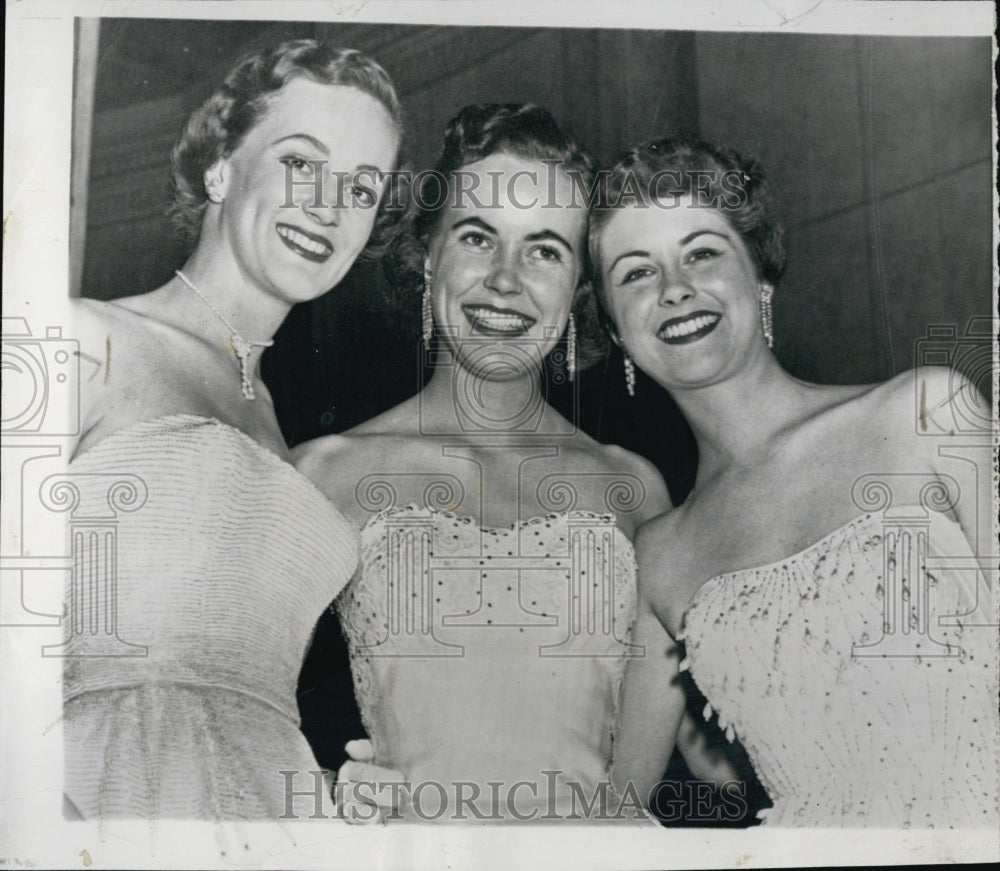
(522, 130)
(217, 127)
(735, 186)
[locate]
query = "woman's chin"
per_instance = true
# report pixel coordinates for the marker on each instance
(301, 285)
(688, 378)
(498, 362)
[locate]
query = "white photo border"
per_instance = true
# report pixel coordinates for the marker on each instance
(38, 130)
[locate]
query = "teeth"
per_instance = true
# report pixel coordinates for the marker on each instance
(675, 331)
(495, 321)
(304, 241)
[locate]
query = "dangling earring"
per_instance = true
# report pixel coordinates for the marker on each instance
(427, 313)
(571, 347)
(629, 373)
(766, 325)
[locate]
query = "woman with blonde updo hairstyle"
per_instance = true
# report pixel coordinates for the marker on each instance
(181, 703)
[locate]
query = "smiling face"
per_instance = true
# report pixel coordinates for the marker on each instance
(683, 291)
(505, 261)
(291, 228)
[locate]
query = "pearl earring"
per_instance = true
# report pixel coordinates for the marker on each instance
(212, 182)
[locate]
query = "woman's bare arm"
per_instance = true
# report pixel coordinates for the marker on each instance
(653, 703)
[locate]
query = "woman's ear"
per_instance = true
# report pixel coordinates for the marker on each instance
(216, 180)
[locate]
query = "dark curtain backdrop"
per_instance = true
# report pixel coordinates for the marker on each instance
(879, 147)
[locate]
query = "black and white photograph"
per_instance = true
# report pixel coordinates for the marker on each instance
(499, 435)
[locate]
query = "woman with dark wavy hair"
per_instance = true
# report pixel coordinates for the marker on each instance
(226, 554)
(819, 580)
(489, 622)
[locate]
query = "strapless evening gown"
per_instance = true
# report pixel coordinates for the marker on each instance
(179, 685)
(488, 661)
(846, 726)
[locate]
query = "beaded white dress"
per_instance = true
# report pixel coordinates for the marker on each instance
(189, 617)
(848, 725)
(492, 657)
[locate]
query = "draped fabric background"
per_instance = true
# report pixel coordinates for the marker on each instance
(879, 149)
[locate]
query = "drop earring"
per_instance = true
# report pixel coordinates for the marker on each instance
(571, 347)
(427, 313)
(629, 373)
(766, 323)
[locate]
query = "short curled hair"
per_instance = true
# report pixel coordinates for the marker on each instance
(734, 185)
(217, 127)
(522, 130)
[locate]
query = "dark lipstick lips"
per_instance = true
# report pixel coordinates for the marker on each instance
(710, 320)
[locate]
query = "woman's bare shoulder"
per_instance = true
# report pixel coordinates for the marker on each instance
(664, 558)
(334, 463)
(615, 459)
(942, 401)
(337, 462)
(317, 452)
(326, 455)
(877, 411)
(660, 535)
(93, 320)
(921, 402)
(400, 421)
(109, 336)
(98, 312)
(100, 326)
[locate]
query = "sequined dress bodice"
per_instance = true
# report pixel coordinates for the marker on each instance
(845, 726)
(496, 655)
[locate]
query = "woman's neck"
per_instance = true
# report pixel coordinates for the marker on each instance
(456, 400)
(735, 421)
(225, 293)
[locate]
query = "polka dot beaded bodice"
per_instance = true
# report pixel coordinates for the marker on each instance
(791, 657)
(486, 654)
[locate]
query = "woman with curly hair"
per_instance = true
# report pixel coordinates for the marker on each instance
(489, 621)
(819, 582)
(227, 553)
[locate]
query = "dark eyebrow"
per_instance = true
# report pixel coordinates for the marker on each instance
(312, 140)
(627, 254)
(688, 238)
(698, 233)
(474, 222)
(548, 234)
